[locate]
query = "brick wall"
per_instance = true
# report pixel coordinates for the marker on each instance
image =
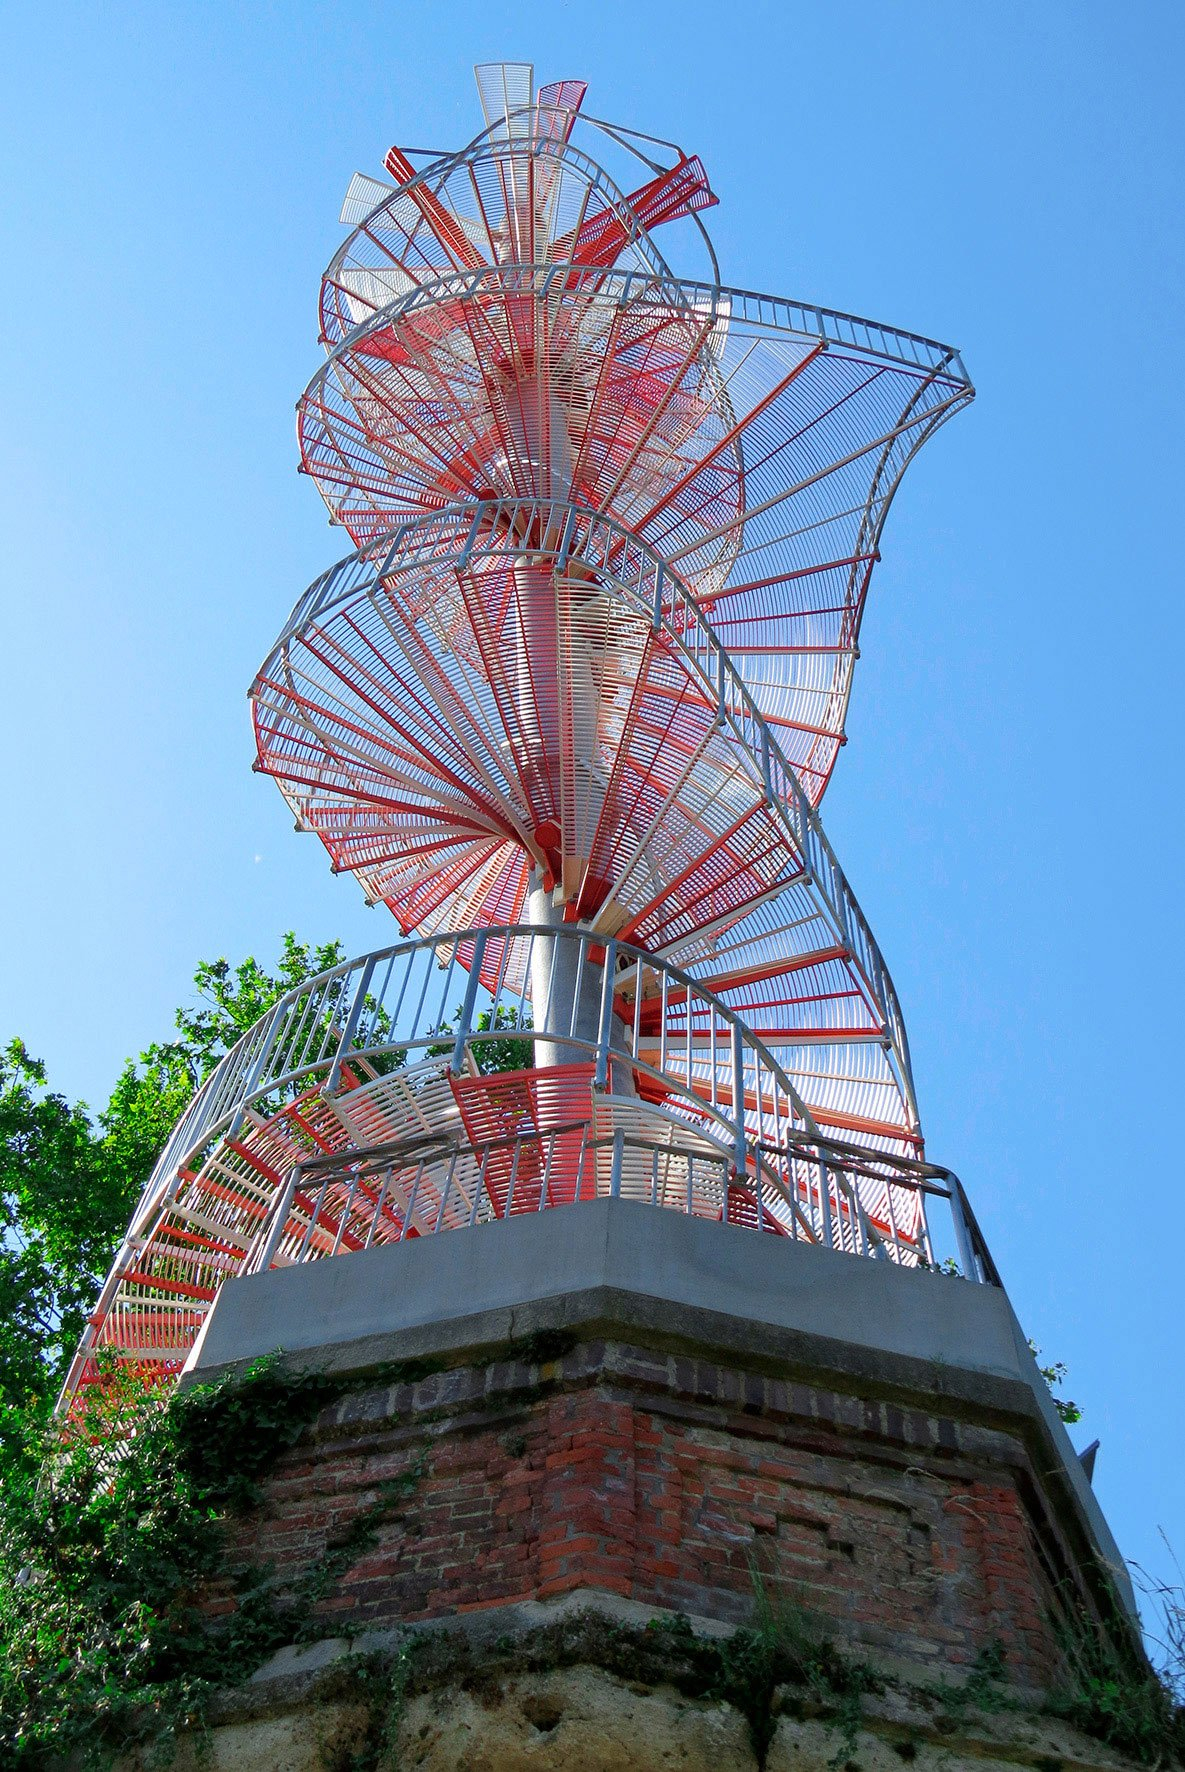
(664, 1479)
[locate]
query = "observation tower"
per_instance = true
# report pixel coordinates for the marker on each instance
(616, 1147)
(568, 709)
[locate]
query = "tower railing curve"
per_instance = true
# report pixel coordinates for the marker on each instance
(394, 1097)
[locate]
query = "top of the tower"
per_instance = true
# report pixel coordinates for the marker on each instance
(522, 192)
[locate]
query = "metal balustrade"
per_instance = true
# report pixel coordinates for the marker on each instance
(396, 1096)
(741, 307)
(632, 571)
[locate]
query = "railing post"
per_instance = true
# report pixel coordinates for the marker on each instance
(739, 1153)
(462, 559)
(963, 1238)
(601, 1078)
(351, 1027)
(409, 1207)
(466, 1022)
(565, 546)
(448, 1182)
(279, 1019)
(615, 1168)
(825, 1204)
(280, 1212)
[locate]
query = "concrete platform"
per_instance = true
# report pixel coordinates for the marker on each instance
(676, 1282)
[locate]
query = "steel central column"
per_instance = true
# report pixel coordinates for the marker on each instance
(566, 990)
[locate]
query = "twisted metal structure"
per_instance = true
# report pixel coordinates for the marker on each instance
(568, 710)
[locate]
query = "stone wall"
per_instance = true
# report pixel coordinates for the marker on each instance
(671, 1481)
(593, 1478)
(598, 1691)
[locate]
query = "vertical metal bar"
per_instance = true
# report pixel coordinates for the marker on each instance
(499, 983)
(470, 539)
(662, 1023)
(377, 1211)
(738, 1098)
(889, 1207)
(518, 1145)
(408, 971)
(351, 1027)
(251, 1082)
(582, 1164)
(601, 1078)
(687, 1019)
(545, 1180)
(790, 1174)
(825, 1204)
(419, 1008)
(279, 1220)
(465, 1024)
(581, 962)
(448, 1182)
(346, 1210)
(312, 1224)
(860, 1239)
(962, 1232)
(409, 1209)
(479, 1185)
(446, 983)
(615, 1168)
(525, 986)
(294, 1029)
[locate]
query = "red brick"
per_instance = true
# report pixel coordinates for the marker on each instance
(897, 1543)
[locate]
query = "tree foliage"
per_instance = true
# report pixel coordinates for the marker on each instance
(69, 1179)
(61, 1208)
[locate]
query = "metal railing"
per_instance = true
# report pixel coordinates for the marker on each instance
(395, 1096)
(743, 308)
(447, 1005)
(630, 569)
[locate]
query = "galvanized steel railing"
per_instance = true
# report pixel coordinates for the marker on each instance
(641, 578)
(421, 1003)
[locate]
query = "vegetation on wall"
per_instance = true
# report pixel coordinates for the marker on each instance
(103, 1646)
(1054, 1374)
(107, 1533)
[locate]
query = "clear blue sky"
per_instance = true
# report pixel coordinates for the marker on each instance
(1004, 177)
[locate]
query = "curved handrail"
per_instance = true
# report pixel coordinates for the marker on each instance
(720, 1084)
(750, 307)
(255, 1066)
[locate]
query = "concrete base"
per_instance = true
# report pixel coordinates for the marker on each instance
(612, 1266)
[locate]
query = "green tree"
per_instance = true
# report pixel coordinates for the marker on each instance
(62, 1208)
(68, 1181)
(1055, 1376)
